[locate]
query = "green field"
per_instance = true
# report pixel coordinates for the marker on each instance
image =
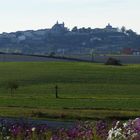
(86, 90)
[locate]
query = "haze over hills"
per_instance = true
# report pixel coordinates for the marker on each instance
(60, 40)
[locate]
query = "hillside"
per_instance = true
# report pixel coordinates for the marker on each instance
(59, 40)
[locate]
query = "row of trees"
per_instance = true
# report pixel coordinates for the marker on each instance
(89, 30)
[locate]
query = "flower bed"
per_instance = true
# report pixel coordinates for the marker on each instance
(100, 130)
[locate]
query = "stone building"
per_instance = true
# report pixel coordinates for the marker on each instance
(59, 28)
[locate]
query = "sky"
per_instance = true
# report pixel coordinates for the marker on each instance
(22, 15)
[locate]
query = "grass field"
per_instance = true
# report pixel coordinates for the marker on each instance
(86, 90)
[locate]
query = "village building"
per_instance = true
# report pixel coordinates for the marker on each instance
(109, 28)
(59, 28)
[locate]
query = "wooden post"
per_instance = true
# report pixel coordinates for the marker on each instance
(56, 91)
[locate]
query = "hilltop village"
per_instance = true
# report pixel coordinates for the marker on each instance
(60, 40)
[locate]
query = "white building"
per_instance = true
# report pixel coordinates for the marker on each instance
(21, 38)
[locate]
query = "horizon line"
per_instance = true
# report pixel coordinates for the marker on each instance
(22, 30)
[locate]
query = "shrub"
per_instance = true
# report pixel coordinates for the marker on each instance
(12, 85)
(113, 61)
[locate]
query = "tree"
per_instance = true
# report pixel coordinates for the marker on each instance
(131, 33)
(123, 29)
(89, 30)
(75, 29)
(13, 86)
(52, 54)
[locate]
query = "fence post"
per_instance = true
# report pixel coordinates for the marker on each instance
(56, 91)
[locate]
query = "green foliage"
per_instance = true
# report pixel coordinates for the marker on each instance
(113, 61)
(12, 85)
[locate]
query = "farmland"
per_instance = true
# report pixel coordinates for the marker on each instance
(85, 90)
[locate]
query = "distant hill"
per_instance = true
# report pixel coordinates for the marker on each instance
(59, 40)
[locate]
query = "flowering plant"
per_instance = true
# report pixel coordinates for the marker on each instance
(100, 130)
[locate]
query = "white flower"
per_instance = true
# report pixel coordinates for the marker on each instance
(116, 133)
(33, 129)
(117, 123)
(7, 137)
(124, 124)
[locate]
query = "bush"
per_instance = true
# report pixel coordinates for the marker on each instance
(12, 85)
(113, 61)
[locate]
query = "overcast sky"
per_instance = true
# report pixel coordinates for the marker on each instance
(37, 14)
